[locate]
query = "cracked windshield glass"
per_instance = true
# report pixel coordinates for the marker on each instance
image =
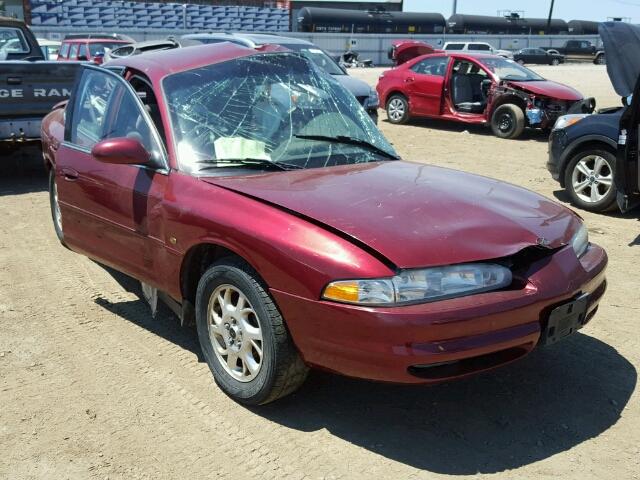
(271, 111)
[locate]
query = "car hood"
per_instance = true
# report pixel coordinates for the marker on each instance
(415, 215)
(548, 88)
(357, 87)
(621, 41)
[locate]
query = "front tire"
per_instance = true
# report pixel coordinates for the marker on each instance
(555, 62)
(588, 180)
(243, 336)
(508, 121)
(521, 62)
(600, 60)
(398, 109)
(56, 214)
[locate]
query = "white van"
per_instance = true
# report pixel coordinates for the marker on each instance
(477, 47)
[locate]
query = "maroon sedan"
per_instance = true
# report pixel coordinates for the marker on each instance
(477, 89)
(255, 196)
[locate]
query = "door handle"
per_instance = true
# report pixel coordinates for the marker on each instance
(69, 174)
(14, 80)
(409, 80)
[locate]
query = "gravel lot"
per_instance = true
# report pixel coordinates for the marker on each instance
(92, 387)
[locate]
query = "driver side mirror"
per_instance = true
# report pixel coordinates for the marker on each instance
(121, 151)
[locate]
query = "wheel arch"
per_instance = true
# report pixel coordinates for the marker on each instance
(393, 92)
(506, 99)
(584, 143)
(197, 260)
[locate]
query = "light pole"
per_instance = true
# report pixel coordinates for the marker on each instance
(550, 14)
(455, 7)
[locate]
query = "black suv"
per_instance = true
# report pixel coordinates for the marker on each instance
(582, 157)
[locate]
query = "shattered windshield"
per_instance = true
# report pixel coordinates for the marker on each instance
(268, 110)
(509, 70)
(319, 57)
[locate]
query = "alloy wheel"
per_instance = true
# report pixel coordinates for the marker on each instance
(396, 109)
(235, 333)
(592, 178)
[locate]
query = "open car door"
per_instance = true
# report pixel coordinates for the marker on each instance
(621, 43)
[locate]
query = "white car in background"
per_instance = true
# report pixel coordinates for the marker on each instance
(477, 47)
(50, 48)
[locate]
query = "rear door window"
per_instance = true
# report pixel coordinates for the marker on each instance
(64, 51)
(454, 46)
(73, 53)
(432, 66)
(479, 47)
(12, 41)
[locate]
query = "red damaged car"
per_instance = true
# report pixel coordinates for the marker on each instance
(478, 89)
(254, 195)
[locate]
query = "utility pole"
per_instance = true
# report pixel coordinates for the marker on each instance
(455, 7)
(550, 15)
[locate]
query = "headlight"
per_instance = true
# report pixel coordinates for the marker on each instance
(420, 285)
(372, 100)
(580, 241)
(568, 120)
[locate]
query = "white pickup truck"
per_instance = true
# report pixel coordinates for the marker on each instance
(476, 47)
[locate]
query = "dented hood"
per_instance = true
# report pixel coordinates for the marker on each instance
(547, 88)
(415, 215)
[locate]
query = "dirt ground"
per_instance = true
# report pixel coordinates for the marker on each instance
(92, 387)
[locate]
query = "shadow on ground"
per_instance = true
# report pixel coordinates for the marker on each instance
(547, 403)
(22, 171)
(563, 196)
(451, 126)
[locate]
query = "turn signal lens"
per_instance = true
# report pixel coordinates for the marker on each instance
(342, 291)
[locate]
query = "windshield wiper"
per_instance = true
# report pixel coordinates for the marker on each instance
(248, 162)
(349, 141)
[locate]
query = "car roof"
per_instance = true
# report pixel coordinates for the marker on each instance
(96, 40)
(158, 64)
(255, 38)
(464, 55)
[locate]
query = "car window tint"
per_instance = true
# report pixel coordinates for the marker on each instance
(73, 53)
(432, 66)
(479, 47)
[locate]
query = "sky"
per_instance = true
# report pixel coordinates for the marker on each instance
(598, 10)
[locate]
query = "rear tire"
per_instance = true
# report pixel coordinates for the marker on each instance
(243, 336)
(600, 60)
(508, 121)
(56, 214)
(588, 179)
(398, 109)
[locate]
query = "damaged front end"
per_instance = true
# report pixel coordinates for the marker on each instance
(543, 111)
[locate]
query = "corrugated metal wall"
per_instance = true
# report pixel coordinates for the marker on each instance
(369, 46)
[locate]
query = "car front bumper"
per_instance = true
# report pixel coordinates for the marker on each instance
(436, 341)
(557, 147)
